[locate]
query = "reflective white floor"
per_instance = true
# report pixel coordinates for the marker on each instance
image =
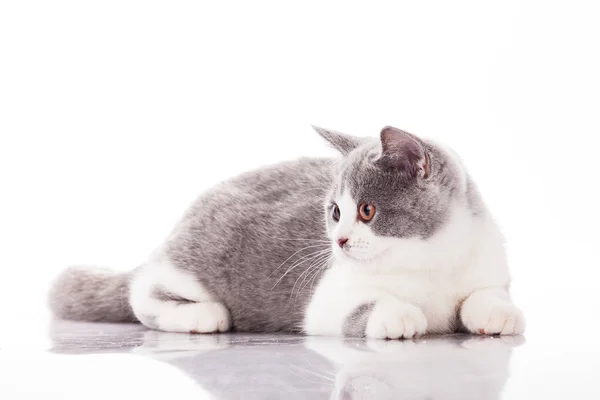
(123, 360)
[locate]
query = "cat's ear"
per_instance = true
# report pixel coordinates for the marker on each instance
(404, 152)
(342, 142)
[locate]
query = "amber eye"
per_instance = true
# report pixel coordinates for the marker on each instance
(366, 211)
(335, 212)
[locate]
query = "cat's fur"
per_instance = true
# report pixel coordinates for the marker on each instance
(260, 252)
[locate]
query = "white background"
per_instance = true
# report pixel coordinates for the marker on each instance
(115, 115)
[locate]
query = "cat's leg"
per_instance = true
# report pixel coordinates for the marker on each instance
(376, 317)
(490, 312)
(488, 308)
(167, 298)
(392, 318)
(359, 311)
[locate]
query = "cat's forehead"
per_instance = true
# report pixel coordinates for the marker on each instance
(356, 168)
(365, 180)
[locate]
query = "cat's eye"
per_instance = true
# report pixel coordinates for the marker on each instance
(335, 212)
(366, 212)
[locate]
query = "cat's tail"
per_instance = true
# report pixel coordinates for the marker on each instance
(91, 294)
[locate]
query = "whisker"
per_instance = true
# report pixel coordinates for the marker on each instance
(287, 259)
(322, 269)
(314, 240)
(311, 277)
(311, 255)
(314, 266)
(315, 272)
(297, 263)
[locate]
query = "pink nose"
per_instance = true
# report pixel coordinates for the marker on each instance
(342, 241)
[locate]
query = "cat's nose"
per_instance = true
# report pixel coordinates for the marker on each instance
(342, 241)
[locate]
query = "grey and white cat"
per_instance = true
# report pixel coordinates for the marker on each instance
(392, 240)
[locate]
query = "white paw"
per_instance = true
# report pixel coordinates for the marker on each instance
(206, 317)
(395, 320)
(493, 318)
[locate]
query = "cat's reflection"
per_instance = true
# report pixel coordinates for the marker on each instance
(293, 367)
(229, 366)
(449, 367)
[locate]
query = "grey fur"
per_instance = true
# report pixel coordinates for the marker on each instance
(160, 293)
(150, 321)
(342, 142)
(456, 324)
(237, 238)
(356, 323)
(91, 295)
(258, 243)
(474, 201)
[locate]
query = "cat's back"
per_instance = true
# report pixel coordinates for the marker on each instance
(286, 185)
(287, 175)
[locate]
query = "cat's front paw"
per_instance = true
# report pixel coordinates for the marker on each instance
(493, 318)
(393, 319)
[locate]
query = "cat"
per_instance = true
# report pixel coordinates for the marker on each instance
(391, 240)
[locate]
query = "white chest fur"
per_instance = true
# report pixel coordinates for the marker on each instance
(344, 288)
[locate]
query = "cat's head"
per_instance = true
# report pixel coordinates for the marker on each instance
(390, 197)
